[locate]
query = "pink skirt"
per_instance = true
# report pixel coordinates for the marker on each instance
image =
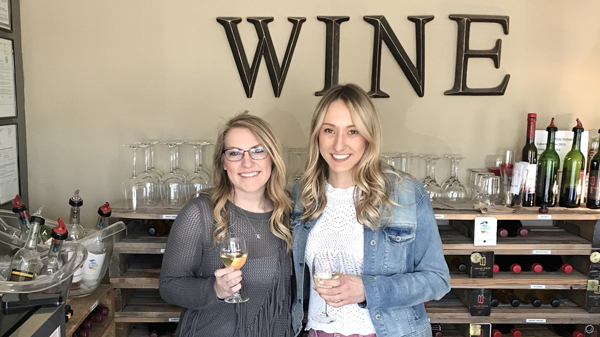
(319, 333)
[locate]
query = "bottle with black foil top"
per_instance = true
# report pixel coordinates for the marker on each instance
(547, 171)
(572, 174)
(529, 155)
(593, 195)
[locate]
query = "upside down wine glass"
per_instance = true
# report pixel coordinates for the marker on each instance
(173, 188)
(453, 189)
(233, 252)
(431, 185)
(135, 191)
(200, 179)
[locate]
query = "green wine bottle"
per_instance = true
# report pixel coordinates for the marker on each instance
(547, 171)
(572, 174)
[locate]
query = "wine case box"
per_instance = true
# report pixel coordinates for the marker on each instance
(478, 300)
(481, 265)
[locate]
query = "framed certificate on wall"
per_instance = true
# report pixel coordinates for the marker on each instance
(9, 163)
(5, 15)
(8, 97)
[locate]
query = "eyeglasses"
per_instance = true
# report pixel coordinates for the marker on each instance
(256, 153)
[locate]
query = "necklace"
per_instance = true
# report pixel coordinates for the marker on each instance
(256, 234)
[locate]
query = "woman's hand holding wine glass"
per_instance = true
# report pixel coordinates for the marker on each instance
(233, 253)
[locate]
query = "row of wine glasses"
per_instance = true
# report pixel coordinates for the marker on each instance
(152, 188)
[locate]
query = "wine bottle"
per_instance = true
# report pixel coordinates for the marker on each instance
(52, 263)
(593, 195)
(158, 227)
(529, 154)
(104, 212)
(506, 296)
(547, 171)
(93, 265)
(548, 297)
(21, 210)
(27, 262)
(529, 297)
(156, 329)
(554, 263)
(529, 263)
(511, 228)
(572, 174)
(498, 330)
(76, 231)
(567, 330)
(506, 263)
(456, 263)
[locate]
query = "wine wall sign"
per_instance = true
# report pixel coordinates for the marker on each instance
(383, 34)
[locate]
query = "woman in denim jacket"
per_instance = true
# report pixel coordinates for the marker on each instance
(379, 223)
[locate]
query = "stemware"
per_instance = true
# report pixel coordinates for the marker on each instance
(156, 173)
(489, 189)
(151, 181)
(233, 253)
(324, 267)
(296, 161)
(200, 179)
(431, 185)
(135, 190)
(403, 160)
(454, 190)
(173, 183)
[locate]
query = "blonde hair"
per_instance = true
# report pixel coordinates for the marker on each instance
(275, 187)
(371, 200)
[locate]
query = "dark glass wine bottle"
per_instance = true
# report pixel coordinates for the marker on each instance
(593, 195)
(511, 228)
(572, 174)
(506, 296)
(547, 171)
(529, 155)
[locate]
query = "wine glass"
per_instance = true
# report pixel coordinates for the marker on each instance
(404, 160)
(234, 253)
(489, 188)
(149, 159)
(296, 163)
(454, 190)
(324, 268)
(173, 184)
(200, 179)
(151, 181)
(431, 185)
(135, 191)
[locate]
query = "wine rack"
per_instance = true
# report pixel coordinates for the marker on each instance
(82, 307)
(135, 269)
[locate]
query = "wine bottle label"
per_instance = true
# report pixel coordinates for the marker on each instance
(93, 266)
(530, 181)
(21, 275)
(594, 188)
(480, 302)
(481, 265)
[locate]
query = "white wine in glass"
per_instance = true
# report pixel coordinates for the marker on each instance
(233, 253)
(324, 268)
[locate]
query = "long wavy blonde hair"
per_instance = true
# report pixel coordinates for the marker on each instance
(275, 188)
(371, 200)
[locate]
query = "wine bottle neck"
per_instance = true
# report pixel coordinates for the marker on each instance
(530, 130)
(551, 140)
(33, 234)
(55, 249)
(576, 140)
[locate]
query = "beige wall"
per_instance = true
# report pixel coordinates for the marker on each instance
(99, 74)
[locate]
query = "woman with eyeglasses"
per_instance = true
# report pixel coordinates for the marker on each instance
(248, 199)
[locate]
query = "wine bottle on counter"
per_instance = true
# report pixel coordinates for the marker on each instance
(500, 330)
(572, 173)
(547, 171)
(567, 330)
(506, 296)
(506, 263)
(511, 228)
(593, 195)
(529, 155)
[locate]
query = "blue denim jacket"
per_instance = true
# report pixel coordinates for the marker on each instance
(403, 263)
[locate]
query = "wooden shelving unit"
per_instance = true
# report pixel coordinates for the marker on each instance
(135, 269)
(82, 307)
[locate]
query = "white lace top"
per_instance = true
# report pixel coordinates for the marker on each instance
(339, 233)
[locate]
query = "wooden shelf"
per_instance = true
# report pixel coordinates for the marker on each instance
(525, 213)
(141, 244)
(147, 306)
(524, 280)
(119, 211)
(82, 307)
(454, 311)
(137, 279)
(553, 239)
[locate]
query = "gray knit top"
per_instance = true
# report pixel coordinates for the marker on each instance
(187, 275)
